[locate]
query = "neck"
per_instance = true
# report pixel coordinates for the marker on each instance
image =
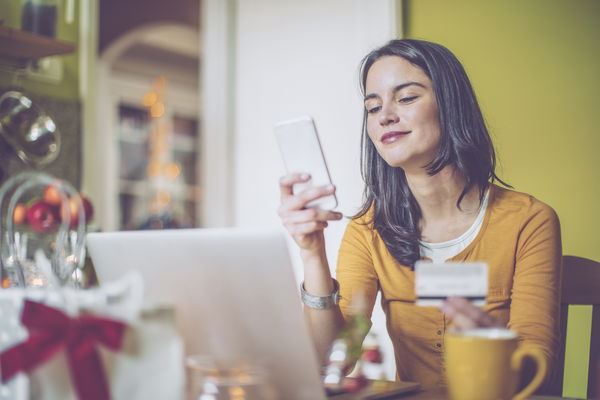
(437, 195)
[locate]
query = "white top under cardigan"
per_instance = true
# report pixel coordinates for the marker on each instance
(441, 251)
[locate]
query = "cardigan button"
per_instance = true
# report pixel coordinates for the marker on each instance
(438, 345)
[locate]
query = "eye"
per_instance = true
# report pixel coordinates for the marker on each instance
(373, 110)
(407, 99)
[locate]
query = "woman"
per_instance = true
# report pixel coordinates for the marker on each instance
(428, 166)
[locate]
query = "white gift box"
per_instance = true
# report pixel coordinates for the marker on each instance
(149, 364)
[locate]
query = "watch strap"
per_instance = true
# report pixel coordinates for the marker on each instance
(321, 302)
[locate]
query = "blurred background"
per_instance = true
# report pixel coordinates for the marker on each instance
(166, 108)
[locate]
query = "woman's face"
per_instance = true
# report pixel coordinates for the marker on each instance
(402, 114)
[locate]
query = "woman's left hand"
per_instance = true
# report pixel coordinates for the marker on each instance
(466, 316)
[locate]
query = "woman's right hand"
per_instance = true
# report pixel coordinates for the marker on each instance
(305, 224)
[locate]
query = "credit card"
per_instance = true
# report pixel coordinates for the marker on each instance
(434, 282)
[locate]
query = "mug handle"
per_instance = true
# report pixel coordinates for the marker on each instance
(541, 368)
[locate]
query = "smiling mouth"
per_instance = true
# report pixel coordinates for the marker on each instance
(391, 137)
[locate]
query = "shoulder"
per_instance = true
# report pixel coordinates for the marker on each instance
(518, 206)
(360, 226)
(363, 221)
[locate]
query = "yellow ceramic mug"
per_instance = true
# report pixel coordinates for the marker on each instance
(484, 364)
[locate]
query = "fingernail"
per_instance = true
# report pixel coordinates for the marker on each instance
(304, 176)
(330, 188)
(339, 215)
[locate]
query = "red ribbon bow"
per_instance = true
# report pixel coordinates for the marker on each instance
(49, 330)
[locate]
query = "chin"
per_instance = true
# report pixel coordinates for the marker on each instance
(395, 164)
(408, 165)
(394, 160)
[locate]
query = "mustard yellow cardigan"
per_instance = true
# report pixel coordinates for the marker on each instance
(519, 240)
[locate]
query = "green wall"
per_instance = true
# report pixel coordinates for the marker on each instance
(535, 66)
(68, 88)
(61, 100)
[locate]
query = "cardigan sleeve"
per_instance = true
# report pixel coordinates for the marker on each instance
(535, 298)
(355, 272)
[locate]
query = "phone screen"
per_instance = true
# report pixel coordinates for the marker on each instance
(301, 151)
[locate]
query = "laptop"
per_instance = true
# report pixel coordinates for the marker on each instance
(234, 292)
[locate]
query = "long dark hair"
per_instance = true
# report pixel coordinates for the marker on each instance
(465, 143)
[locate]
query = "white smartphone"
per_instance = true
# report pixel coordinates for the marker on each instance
(301, 151)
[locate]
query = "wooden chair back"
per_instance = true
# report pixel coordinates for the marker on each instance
(580, 286)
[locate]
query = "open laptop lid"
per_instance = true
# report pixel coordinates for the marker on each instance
(234, 292)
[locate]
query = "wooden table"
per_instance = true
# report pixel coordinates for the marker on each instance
(440, 394)
(431, 393)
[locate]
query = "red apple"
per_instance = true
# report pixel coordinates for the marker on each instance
(42, 217)
(52, 196)
(88, 210)
(19, 214)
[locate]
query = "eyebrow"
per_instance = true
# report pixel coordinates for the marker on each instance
(396, 89)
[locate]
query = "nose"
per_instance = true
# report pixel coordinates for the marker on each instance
(388, 115)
